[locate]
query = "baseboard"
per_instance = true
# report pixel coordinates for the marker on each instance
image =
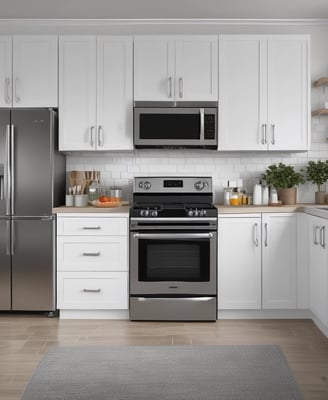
(264, 314)
(93, 314)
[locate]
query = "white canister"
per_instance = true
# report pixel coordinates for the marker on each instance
(257, 195)
(265, 195)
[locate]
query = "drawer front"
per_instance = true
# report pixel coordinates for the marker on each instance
(92, 226)
(86, 291)
(107, 253)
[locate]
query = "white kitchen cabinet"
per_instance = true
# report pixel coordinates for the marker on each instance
(239, 262)
(318, 268)
(257, 261)
(95, 93)
(279, 251)
(264, 89)
(92, 262)
(29, 71)
(176, 68)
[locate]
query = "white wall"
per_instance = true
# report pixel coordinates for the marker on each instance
(120, 168)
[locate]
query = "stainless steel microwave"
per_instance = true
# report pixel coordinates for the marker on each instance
(176, 125)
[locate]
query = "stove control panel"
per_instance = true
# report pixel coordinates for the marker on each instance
(197, 213)
(146, 212)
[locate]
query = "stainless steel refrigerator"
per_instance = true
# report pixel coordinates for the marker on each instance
(32, 182)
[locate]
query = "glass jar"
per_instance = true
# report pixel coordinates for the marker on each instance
(234, 199)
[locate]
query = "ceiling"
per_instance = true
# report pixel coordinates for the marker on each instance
(164, 9)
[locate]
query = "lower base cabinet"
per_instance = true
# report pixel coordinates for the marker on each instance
(92, 263)
(318, 269)
(257, 261)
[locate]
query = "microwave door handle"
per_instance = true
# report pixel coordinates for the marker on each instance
(202, 123)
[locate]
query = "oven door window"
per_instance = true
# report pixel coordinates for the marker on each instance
(174, 260)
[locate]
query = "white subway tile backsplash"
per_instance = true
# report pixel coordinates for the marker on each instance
(120, 168)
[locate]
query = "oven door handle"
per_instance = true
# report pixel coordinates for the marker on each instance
(173, 236)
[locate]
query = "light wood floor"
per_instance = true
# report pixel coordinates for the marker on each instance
(25, 338)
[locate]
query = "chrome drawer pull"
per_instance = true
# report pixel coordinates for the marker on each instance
(92, 227)
(92, 254)
(92, 290)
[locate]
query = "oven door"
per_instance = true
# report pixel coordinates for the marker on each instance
(173, 263)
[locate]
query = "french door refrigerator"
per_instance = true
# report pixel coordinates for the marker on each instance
(32, 182)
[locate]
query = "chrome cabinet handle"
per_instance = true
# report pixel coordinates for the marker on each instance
(169, 86)
(92, 136)
(323, 237)
(7, 97)
(91, 227)
(315, 237)
(17, 98)
(264, 133)
(266, 235)
(273, 140)
(180, 87)
(92, 290)
(100, 136)
(96, 254)
(255, 237)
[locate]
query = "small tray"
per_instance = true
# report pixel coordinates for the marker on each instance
(110, 204)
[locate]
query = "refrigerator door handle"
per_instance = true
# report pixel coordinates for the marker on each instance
(12, 238)
(12, 174)
(7, 171)
(8, 238)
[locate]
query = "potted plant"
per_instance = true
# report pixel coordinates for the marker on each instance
(317, 173)
(285, 179)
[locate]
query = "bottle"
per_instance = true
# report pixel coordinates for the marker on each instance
(273, 195)
(257, 194)
(265, 194)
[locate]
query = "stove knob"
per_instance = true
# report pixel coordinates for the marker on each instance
(147, 185)
(144, 213)
(196, 213)
(202, 213)
(154, 213)
(200, 185)
(190, 213)
(141, 185)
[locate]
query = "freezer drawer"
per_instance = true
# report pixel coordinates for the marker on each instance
(33, 267)
(5, 267)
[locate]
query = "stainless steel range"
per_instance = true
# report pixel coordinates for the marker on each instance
(173, 249)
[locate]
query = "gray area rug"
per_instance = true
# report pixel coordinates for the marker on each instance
(163, 373)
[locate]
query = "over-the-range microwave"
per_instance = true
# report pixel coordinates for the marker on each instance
(175, 125)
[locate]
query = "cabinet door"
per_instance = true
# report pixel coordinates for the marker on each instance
(114, 93)
(239, 263)
(242, 92)
(154, 68)
(77, 92)
(35, 71)
(288, 92)
(279, 261)
(196, 76)
(5, 71)
(318, 269)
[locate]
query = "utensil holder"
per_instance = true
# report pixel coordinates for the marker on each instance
(80, 200)
(69, 200)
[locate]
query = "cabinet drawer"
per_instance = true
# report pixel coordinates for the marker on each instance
(92, 226)
(91, 291)
(87, 253)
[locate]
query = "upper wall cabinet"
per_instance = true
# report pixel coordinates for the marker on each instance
(29, 71)
(95, 93)
(264, 87)
(176, 68)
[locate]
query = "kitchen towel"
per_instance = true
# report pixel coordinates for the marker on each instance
(163, 373)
